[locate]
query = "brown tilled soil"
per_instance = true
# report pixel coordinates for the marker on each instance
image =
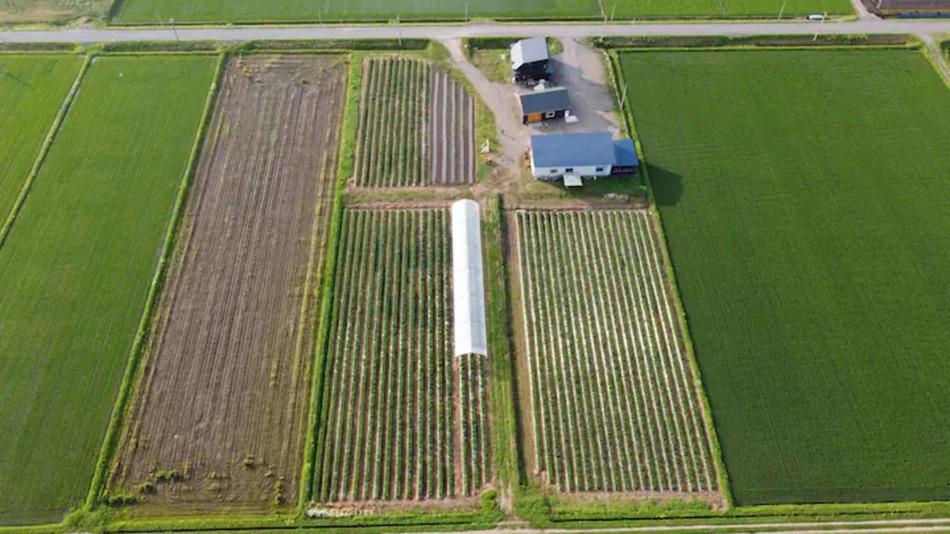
(222, 396)
(451, 131)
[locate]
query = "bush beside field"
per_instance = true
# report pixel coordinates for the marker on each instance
(714, 41)
(277, 45)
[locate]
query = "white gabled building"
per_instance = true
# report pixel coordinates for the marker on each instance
(573, 156)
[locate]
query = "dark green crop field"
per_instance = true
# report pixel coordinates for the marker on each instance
(76, 269)
(717, 8)
(804, 195)
(151, 11)
(31, 90)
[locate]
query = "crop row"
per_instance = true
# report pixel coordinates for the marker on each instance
(401, 409)
(452, 134)
(394, 109)
(614, 399)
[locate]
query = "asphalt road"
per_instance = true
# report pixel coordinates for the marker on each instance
(244, 33)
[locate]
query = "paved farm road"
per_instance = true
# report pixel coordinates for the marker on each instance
(244, 33)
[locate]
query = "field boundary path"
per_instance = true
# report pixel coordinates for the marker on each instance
(878, 526)
(245, 33)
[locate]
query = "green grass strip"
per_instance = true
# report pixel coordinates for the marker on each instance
(44, 150)
(155, 288)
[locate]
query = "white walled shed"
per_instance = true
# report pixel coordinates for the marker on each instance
(468, 280)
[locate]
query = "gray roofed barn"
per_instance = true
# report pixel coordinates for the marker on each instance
(554, 99)
(529, 51)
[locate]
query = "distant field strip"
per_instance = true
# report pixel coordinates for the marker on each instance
(152, 11)
(76, 269)
(223, 397)
(616, 406)
(32, 88)
(804, 199)
(720, 8)
(404, 419)
(417, 126)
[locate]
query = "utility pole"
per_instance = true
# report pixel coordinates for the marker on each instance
(782, 11)
(177, 41)
(398, 30)
(820, 24)
(623, 97)
(612, 11)
(466, 12)
(603, 30)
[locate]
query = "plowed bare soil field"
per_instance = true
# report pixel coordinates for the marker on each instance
(219, 415)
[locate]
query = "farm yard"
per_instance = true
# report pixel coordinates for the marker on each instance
(803, 196)
(32, 89)
(615, 404)
(147, 11)
(417, 126)
(76, 270)
(403, 419)
(224, 396)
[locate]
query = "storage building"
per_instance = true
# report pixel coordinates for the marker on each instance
(573, 156)
(547, 104)
(530, 60)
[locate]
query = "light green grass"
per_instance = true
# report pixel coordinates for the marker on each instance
(76, 268)
(804, 195)
(32, 88)
(151, 11)
(34, 11)
(714, 8)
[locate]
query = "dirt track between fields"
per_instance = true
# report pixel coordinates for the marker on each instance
(225, 386)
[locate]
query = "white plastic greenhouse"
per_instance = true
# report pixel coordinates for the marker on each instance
(469, 309)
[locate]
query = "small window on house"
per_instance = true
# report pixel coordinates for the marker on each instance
(569, 169)
(550, 114)
(553, 171)
(599, 169)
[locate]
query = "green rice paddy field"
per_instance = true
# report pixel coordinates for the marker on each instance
(151, 11)
(717, 8)
(32, 88)
(804, 197)
(76, 269)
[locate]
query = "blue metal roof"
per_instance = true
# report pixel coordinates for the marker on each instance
(626, 153)
(573, 149)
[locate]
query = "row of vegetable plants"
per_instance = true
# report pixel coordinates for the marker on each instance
(473, 416)
(394, 111)
(451, 138)
(615, 404)
(402, 411)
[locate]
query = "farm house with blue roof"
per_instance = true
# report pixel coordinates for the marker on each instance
(573, 156)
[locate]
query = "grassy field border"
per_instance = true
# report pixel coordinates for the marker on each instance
(501, 354)
(107, 452)
(44, 149)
